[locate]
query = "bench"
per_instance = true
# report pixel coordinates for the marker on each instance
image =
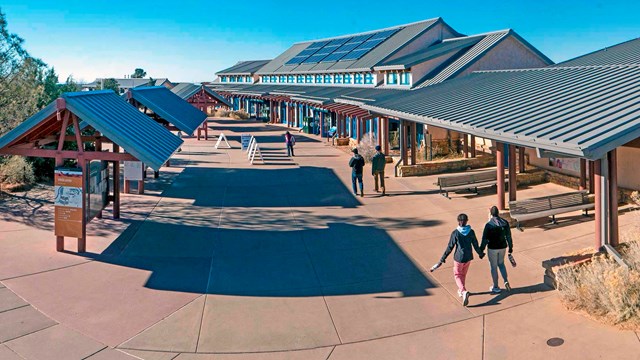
(549, 206)
(468, 181)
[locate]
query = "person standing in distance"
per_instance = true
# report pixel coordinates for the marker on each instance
(357, 165)
(289, 140)
(497, 236)
(378, 162)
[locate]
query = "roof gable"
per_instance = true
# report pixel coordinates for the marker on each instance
(170, 107)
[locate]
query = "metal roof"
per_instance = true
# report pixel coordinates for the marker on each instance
(404, 35)
(624, 53)
(170, 107)
(106, 112)
(577, 111)
(187, 90)
(244, 68)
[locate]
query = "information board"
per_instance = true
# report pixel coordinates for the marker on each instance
(69, 206)
(244, 139)
(97, 187)
(133, 170)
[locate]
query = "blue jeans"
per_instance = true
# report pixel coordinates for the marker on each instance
(496, 260)
(357, 177)
(290, 150)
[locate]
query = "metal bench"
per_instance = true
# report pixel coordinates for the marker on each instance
(467, 181)
(549, 206)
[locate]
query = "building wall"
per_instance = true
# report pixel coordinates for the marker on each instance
(419, 71)
(510, 53)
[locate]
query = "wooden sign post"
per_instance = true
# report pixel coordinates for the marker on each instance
(70, 207)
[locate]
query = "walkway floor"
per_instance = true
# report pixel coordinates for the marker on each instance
(224, 260)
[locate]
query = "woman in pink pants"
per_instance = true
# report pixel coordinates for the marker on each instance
(464, 240)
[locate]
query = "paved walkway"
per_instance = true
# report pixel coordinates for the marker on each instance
(224, 260)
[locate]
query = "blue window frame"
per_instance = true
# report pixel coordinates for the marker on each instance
(405, 78)
(308, 79)
(300, 79)
(327, 79)
(273, 79)
(337, 78)
(291, 79)
(247, 79)
(357, 79)
(318, 79)
(223, 79)
(232, 79)
(392, 79)
(347, 78)
(368, 79)
(283, 79)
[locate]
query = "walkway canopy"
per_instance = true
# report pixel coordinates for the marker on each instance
(168, 107)
(186, 91)
(583, 111)
(103, 111)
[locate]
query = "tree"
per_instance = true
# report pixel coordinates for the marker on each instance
(108, 84)
(139, 73)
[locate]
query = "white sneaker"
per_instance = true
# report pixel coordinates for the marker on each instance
(495, 290)
(459, 293)
(507, 286)
(465, 298)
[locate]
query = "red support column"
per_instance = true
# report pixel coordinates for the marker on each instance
(500, 174)
(612, 157)
(513, 185)
(592, 180)
(465, 145)
(116, 184)
(600, 211)
(583, 174)
(414, 142)
(521, 160)
(386, 135)
(403, 147)
(473, 146)
(379, 134)
(358, 129)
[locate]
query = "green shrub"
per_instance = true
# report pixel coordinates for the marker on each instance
(16, 170)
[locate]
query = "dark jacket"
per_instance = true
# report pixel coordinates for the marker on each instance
(378, 163)
(464, 245)
(497, 234)
(357, 163)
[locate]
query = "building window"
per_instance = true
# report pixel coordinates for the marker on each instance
(327, 79)
(318, 79)
(291, 79)
(308, 79)
(405, 78)
(300, 79)
(232, 79)
(368, 79)
(248, 79)
(224, 79)
(392, 79)
(283, 79)
(264, 79)
(357, 79)
(347, 78)
(337, 78)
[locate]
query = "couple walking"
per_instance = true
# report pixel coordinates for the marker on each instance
(496, 236)
(378, 163)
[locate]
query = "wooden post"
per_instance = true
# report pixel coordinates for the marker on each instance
(60, 162)
(414, 146)
(403, 144)
(465, 145)
(387, 143)
(116, 184)
(82, 241)
(379, 133)
(583, 174)
(591, 174)
(500, 174)
(513, 185)
(521, 160)
(600, 210)
(612, 157)
(98, 148)
(358, 130)
(473, 146)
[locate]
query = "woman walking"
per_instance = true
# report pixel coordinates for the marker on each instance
(289, 140)
(497, 236)
(464, 240)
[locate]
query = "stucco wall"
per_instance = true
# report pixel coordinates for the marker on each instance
(510, 53)
(418, 72)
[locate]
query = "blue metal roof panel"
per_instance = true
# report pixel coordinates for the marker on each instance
(139, 135)
(170, 107)
(28, 124)
(625, 53)
(187, 90)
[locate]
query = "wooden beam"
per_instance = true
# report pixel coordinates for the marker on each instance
(500, 174)
(513, 186)
(69, 154)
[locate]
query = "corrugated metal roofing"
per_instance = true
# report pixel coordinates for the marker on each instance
(187, 90)
(579, 111)
(365, 63)
(248, 67)
(170, 107)
(446, 47)
(625, 53)
(106, 112)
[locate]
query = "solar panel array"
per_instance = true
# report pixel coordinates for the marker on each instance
(342, 49)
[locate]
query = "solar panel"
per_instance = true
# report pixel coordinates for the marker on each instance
(315, 58)
(296, 60)
(338, 42)
(370, 44)
(359, 38)
(349, 46)
(355, 54)
(384, 34)
(335, 56)
(317, 45)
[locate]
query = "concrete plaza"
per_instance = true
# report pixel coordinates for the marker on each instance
(225, 260)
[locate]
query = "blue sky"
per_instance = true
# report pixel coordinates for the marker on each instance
(190, 40)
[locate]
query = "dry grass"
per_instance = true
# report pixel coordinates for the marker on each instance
(605, 290)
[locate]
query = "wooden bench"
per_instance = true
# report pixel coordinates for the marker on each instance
(469, 181)
(549, 206)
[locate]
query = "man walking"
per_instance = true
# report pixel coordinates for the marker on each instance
(378, 162)
(357, 164)
(497, 236)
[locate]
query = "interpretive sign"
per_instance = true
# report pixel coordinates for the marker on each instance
(133, 170)
(69, 204)
(97, 187)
